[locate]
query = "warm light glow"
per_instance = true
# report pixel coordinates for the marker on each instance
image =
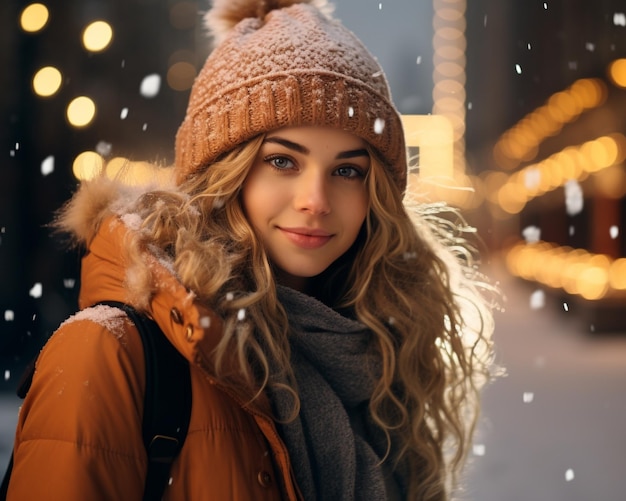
(617, 72)
(449, 77)
(81, 111)
(181, 75)
(611, 182)
(576, 271)
(34, 17)
(511, 199)
(595, 157)
(97, 36)
(87, 165)
(617, 274)
(47, 81)
(593, 282)
(520, 143)
(132, 173)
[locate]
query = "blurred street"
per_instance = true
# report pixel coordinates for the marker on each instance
(552, 429)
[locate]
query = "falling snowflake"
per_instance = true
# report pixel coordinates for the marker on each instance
(614, 232)
(47, 166)
(532, 234)
(518, 69)
(123, 113)
(9, 315)
(241, 314)
(532, 178)
(619, 19)
(150, 85)
(573, 197)
(103, 148)
(590, 46)
(379, 126)
(36, 290)
(7, 375)
(565, 306)
(478, 450)
(69, 283)
(569, 475)
(528, 397)
(205, 322)
(537, 300)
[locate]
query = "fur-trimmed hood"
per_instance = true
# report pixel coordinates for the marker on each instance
(99, 218)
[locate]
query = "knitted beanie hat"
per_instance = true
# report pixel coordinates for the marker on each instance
(284, 63)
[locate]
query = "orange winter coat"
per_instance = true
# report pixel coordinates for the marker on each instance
(79, 431)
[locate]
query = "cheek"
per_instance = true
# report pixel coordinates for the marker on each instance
(355, 209)
(254, 196)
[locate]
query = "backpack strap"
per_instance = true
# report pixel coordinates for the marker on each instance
(167, 401)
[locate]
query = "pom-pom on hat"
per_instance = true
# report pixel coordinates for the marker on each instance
(285, 63)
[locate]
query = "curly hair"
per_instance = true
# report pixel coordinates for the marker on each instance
(408, 277)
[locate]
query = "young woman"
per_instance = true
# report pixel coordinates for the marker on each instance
(336, 338)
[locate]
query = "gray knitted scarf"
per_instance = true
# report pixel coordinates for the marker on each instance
(333, 445)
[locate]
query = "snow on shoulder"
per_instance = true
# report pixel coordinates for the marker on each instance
(109, 317)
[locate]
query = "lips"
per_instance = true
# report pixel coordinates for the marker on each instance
(307, 238)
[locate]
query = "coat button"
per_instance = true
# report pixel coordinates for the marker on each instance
(176, 316)
(264, 478)
(189, 332)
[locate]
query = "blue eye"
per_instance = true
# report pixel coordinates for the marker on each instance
(280, 162)
(349, 172)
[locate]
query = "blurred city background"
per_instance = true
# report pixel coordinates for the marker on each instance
(515, 112)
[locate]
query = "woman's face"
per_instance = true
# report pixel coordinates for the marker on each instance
(306, 198)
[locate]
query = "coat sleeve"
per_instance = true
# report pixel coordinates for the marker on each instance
(79, 430)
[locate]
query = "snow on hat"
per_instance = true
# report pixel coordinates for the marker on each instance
(284, 63)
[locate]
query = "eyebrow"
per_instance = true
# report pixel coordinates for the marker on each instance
(361, 152)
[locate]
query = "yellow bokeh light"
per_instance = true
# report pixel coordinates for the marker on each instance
(81, 111)
(134, 173)
(47, 81)
(87, 165)
(617, 274)
(97, 36)
(576, 271)
(592, 282)
(617, 72)
(34, 17)
(511, 198)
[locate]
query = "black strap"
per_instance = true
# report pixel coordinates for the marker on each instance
(167, 403)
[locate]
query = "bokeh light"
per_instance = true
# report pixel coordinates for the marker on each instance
(97, 36)
(81, 111)
(87, 165)
(47, 81)
(34, 17)
(617, 72)
(180, 76)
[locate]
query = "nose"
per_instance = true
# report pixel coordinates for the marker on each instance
(312, 194)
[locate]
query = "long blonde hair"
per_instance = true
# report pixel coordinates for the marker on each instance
(409, 279)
